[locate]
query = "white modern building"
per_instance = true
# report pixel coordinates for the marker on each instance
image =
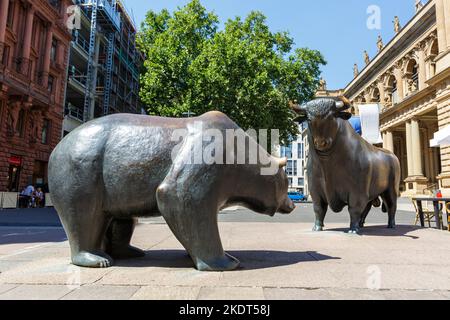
(295, 169)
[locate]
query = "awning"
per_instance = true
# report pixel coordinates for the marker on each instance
(441, 138)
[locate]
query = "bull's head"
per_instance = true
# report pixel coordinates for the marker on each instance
(324, 116)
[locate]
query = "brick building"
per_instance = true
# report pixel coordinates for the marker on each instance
(34, 47)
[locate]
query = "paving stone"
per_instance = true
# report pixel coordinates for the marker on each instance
(166, 293)
(6, 287)
(33, 292)
(102, 293)
(231, 293)
(296, 294)
(55, 271)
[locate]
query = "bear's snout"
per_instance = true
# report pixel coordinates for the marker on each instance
(287, 207)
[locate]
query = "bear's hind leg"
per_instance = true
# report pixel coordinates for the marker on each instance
(118, 239)
(195, 226)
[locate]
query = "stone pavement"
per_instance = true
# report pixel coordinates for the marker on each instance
(279, 261)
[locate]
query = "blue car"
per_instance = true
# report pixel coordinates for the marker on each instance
(297, 197)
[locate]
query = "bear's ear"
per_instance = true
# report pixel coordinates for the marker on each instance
(282, 162)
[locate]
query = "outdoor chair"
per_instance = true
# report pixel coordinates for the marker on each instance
(447, 208)
(428, 212)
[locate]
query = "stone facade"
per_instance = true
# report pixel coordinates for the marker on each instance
(410, 79)
(34, 47)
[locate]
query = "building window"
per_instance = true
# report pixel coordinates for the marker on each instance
(5, 56)
(45, 131)
(13, 178)
(53, 51)
(51, 82)
(291, 168)
(286, 152)
(9, 20)
(290, 182)
(301, 182)
(300, 151)
(394, 93)
(21, 123)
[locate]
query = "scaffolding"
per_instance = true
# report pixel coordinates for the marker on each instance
(104, 15)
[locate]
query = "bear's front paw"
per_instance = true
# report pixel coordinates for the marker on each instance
(224, 263)
(91, 260)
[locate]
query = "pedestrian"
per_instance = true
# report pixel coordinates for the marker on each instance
(39, 198)
(28, 194)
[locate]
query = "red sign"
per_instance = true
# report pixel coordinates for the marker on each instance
(16, 161)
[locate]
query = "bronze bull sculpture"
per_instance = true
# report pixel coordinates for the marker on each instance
(343, 168)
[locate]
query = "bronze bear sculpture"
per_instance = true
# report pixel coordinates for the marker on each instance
(112, 170)
(343, 168)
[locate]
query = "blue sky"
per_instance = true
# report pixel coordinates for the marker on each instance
(338, 28)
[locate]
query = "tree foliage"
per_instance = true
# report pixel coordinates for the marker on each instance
(245, 70)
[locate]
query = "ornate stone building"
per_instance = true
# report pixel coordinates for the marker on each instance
(410, 78)
(34, 47)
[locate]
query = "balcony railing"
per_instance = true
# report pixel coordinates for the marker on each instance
(81, 42)
(73, 111)
(77, 76)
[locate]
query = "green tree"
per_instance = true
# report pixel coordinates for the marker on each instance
(244, 70)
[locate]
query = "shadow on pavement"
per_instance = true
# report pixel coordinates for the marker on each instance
(383, 231)
(250, 260)
(31, 235)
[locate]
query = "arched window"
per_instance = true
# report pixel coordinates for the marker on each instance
(392, 85)
(376, 96)
(20, 126)
(434, 51)
(412, 76)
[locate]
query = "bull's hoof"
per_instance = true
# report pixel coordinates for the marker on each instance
(317, 228)
(91, 260)
(354, 232)
(225, 263)
(391, 226)
(128, 252)
(362, 224)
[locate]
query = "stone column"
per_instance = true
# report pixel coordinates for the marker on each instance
(390, 141)
(27, 39)
(409, 149)
(440, 21)
(447, 21)
(416, 148)
(422, 69)
(400, 86)
(4, 5)
(48, 48)
(3, 19)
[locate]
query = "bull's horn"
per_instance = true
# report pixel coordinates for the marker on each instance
(342, 104)
(282, 162)
(301, 110)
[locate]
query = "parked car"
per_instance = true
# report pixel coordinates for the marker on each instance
(297, 197)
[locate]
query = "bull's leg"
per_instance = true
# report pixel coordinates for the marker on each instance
(118, 239)
(320, 210)
(364, 215)
(356, 214)
(390, 200)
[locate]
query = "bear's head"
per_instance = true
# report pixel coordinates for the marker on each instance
(275, 198)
